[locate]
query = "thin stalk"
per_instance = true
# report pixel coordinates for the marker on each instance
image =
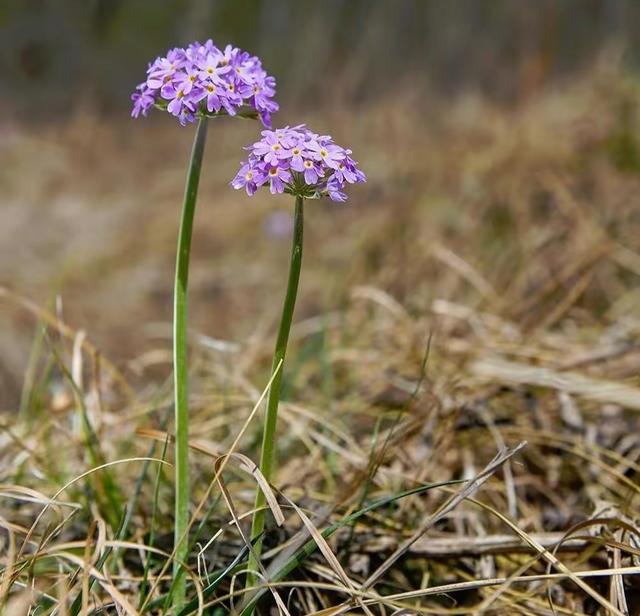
(180, 368)
(268, 453)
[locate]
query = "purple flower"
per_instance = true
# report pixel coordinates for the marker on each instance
(186, 115)
(142, 102)
(211, 69)
(213, 94)
(202, 80)
(232, 99)
(269, 148)
(229, 55)
(177, 97)
(187, 80)
(247, 178)
(326, 152)
(334, 188)
(260, 95)
(312, 172)
(163, 69)
(300, 162)
(348, 172)
(278, 178)
(296, 155)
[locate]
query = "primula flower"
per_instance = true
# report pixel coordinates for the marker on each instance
(212, 92)
(278, 178)
(300, 162)
(247, 178)
(296, 154)
(331, 155)
(202, 80)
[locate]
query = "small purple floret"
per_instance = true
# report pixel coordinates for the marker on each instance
(202, 79)
(300, 162)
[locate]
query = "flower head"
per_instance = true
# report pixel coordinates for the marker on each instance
(300, 162)
(202, 80)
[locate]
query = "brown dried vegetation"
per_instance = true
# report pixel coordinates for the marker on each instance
(499, 245)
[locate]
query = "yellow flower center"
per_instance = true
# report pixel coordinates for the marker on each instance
(323, 153)
(232, 88)
(275, 147)
(249, 175)
(308, 164)
(295, 151)
(273, 171)
(180, 94)
(211, 89)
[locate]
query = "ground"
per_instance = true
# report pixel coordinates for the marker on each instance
(480, 291)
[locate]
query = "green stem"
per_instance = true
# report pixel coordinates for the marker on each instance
(180, 367)
(268, 453)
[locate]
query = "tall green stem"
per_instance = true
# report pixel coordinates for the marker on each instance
(180, 367)
(268, 453)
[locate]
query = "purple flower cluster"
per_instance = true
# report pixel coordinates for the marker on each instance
(300, 162)
(203, 80)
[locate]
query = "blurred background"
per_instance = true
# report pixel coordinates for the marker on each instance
(500, 138)
(59, 55)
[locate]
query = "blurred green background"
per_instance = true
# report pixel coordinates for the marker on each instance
(55, 55)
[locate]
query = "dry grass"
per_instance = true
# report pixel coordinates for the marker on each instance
(509, 239)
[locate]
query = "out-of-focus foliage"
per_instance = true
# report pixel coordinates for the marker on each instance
(55, 54)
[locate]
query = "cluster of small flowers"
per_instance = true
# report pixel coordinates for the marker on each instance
(203, 79)
(299, 162)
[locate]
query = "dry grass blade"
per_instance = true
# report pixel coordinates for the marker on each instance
(33, 496)
(467, 491)
(475, 584)
(383, 299)
(395, 600)
(552, 560)
(617, 596)
(52, 320)
(330, 557)
(67, 551)
(335, 611)
(7, 574)
(88, 563)
(503, 371)
(249, 466)
(75, 480)
(470, 274)
(21, 603)
(455, 547)
(116, 595)
(247, 541)
(162, 437)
